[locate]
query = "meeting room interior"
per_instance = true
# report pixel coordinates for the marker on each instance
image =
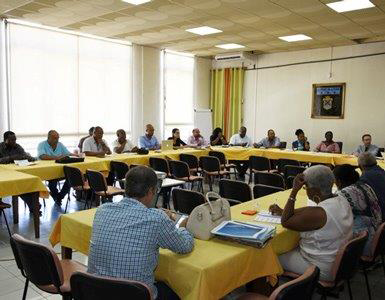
(192, 149)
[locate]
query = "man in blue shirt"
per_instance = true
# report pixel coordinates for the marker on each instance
(271, 141)
(148, 140)
(127, 235)
(52, 149)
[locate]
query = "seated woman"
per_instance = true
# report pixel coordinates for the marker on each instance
(177, 142)
(217, 138)
(367, 214)
(323, 228)
(301, 144)
(328, 145)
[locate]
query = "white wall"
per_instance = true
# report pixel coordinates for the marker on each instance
(281, 97)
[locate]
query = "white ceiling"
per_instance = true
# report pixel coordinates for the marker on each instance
(257, 24)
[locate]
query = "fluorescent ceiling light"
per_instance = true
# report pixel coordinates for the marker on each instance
(295, 38)
(204, 30)
(230, 46)
(136, 2)
(349, 5)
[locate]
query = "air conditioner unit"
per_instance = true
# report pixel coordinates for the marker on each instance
(239, 56)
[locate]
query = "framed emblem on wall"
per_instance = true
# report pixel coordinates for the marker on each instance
(328, 101)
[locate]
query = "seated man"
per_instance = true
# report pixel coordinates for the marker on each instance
(301, 144)
(149, 140)
(127, 235)
(374, 176)
(196, 140)
(90, 132)
(10, 151)
(52, 149)
(367, 146)
(121, 144)
(241, 139)
(271, 141)
(95, 145)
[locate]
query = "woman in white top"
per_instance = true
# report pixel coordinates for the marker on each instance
(323, 228)
(122, 144)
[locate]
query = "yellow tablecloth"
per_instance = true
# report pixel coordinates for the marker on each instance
(14, 183)
(214, 268)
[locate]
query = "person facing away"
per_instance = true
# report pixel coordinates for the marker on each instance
(217, 138)
(122, 144)
(271, 141)
(52, 149)
(301, 144)
(176, 140)
(11, 151)
(323, 228)
(328, 145)
(374, 176)
(367, 146)
(127, 235)
(149, 140)
(240, 138)
(367, 214)
(90, 133)
(196, 140)
(95, 145)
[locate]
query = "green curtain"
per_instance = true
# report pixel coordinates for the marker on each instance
(226, 99)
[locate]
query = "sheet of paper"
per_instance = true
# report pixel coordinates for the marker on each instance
(265, 216)
(23, 162)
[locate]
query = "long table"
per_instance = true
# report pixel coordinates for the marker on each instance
(214, 268)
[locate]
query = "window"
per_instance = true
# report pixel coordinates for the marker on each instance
(178, 93)
(68, 83)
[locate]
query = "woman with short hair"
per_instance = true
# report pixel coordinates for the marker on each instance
(328, 145)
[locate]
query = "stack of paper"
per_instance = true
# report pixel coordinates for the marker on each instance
(267, 217)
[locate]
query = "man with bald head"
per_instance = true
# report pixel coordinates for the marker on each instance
(196, 140)
(95, 145)
(52, 149)
(271, 141)
(149, 141)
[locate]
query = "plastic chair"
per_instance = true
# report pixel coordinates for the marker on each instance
(236, 190)
(99, 186)
(87, 286)
(4, 206)
(185, 201)
(211, 168)
(261, 190)
(181, 171)
(160, 164)
(271, 179)
(192, 161)
(119, 169)
(224, 163)
(77, 182)
(300, 288)
(40, 265)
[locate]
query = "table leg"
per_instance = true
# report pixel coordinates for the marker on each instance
(36, 214)
(15, 209)
(66, 253)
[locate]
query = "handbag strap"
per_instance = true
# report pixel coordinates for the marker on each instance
(211, 195)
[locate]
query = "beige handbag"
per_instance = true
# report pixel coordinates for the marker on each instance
(207, 216)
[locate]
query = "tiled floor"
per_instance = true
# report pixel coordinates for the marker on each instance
(12, 283)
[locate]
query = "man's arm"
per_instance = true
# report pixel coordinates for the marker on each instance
(105, 147)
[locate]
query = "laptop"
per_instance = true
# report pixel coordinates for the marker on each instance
(167, 145)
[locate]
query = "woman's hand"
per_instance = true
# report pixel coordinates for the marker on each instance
(276, 210)
(298, 182)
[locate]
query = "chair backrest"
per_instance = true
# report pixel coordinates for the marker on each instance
(346, 262)
(96, 181)
(261, 190)
(282, 162)
(210, 163)
(290, 170)
(185, 201)
(159, 164)
(282, 145)
(340, 144)
(378, 242)
(39, 263)
(119, 169)
(133, 166)
(236, 190)
(73, 176)
(190, 159)
(219, 155)
(300, 288)
(259, 163)
(271, 179)
(179, 169)
(85, 286)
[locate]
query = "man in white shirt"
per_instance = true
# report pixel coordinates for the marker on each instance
(122, 144)
(240, 139)
(95, 145)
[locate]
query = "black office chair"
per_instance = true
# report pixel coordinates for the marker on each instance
(224, 163)
(272, 179)
(76, 180)
(236, 190)
(4, 206)
(261, 190)
(160, 164)
(282, 162)
(192, 161)
(211, 168)
(290, 172)
(282, 145)
(185, 201)
(181, 171)
(119, 169)
(340, 144)
(258, 163)
(86, 286)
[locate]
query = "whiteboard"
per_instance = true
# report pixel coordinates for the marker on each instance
(203, 121)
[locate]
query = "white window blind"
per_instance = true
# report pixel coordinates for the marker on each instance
(179, 91)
